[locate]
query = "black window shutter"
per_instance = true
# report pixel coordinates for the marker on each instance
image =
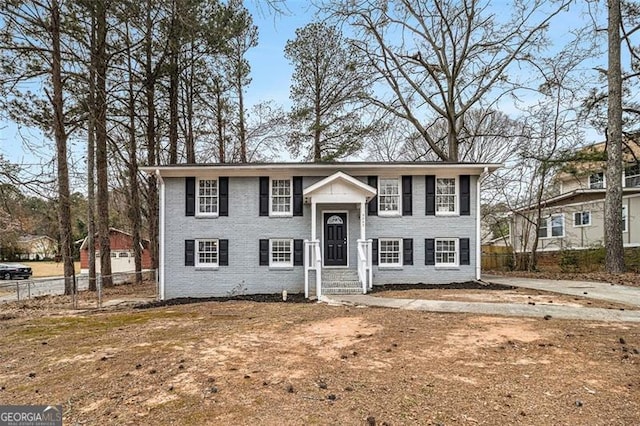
(430, 189)
(264, 196)
(374, 251)
(465, 195)
(373, 203)
(407, 251)
(189, 252)
(407, 196)
(465, 258)
(429, 251)
(190, 196)
(297, 196)
(223, 252)
(264, 252)
(298, 252)
(223, 197)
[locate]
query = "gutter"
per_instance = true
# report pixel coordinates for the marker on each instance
(161, 237)
(484, 173)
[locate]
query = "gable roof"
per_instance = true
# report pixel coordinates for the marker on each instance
(361, 168)
(575, 196)
(362, 187)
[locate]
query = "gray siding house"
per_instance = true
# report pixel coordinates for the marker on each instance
(317, 228)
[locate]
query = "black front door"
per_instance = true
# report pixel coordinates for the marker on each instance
(335, 239)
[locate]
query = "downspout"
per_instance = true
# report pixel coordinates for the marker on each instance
(161, 224)
(478, 233)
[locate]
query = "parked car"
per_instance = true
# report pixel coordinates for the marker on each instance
(10, 271)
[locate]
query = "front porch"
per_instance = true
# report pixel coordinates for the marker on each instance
(330, 264)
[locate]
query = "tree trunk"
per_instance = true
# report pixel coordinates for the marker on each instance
(134, 195)
(242, 131)
(189, 95)
(91, 143)
(152, 184)
(101, 144)
(64, 207)
(613, 199)
(220, 122)
(174, 82)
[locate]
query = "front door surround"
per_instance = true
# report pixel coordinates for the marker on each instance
(335, 239)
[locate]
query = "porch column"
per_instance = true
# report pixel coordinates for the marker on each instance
(313, 219)
(363, 218)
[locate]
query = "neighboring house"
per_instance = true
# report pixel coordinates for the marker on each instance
(574, 219)
(316, 228)
(36, 247)
(122, 257)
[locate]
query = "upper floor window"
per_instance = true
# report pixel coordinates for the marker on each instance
(632, 176)
(582, 218)
(207, 197)
(552, 226)
(596, 181)
(446, 195)
(281, 253)
(280, 197)
(207, 253)
(390, 252)
(389, 196)
(446, 252)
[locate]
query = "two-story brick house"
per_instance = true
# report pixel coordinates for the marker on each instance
(317, 228)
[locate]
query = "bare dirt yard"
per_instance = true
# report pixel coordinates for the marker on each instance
(244, 362)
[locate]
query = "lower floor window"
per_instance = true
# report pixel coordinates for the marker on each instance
(446, 252)
(207, 253)
(582, 218)
(390, 252)
(281, 253)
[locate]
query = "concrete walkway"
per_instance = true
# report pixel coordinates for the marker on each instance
(586, 289)
(506, 309)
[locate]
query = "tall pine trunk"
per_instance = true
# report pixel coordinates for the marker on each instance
(614, 259)
(91, 143)
(64, 208)
(134, 194)
(152, 184)
(101, 143)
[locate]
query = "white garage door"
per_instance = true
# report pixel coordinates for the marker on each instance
(121, 261)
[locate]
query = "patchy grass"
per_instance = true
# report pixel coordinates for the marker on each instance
(242, 362)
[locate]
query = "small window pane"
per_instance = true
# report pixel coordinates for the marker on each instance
(445, 252)
(389, 252)
(208, 196)
(281, 196)
(596, 181)
(389, 195)
(281, 252)
(557, 226)
(446, 195)
(632, 176)
(207, 252)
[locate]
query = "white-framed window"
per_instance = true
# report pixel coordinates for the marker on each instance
(390, 252)
(632, 176)
(625, 218)
(207, 197)
(446, 252)
(207, 253)
(446, 196)
(552, 226)
(281, 253)
(113, 255)
(582, 219)
(389, 196)
(596, 180)
(280, 197)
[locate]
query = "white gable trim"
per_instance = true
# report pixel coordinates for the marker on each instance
(339, 188)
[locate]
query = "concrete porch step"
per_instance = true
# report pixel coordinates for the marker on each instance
(340, 281)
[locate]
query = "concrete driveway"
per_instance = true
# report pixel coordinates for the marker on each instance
(600, 291)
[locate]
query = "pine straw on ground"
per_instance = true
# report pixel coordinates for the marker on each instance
(243, 362)
(627, 278)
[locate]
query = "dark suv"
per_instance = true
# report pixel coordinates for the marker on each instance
(10, 271)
